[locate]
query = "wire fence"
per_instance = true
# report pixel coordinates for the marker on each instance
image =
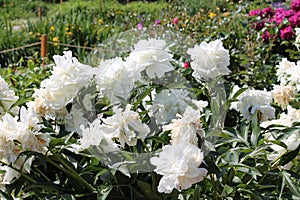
(21, 47)
(44, 46)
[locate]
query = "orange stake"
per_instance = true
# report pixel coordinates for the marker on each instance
(44, 45)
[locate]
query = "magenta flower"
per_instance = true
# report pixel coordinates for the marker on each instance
(278, 19)
(259, 25)
(287, 33)
(295, 5)
(266, 36)
(267, 12)
(284, 13)
(254, 12)
(295, 20)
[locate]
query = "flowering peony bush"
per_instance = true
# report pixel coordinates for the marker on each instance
(143, 125)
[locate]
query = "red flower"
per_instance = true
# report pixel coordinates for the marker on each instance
(186, 65)
(175, 21)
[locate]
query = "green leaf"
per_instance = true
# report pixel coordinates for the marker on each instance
(289, 156)
(290, 183)
(147, 190)
(103, 192)
(239, 92)
(255, 130)
(227, 190)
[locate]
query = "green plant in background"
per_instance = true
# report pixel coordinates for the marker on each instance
(77, 23)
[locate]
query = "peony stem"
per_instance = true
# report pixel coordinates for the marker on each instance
(69, 171)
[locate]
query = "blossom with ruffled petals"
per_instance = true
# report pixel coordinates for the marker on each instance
(179, 166)
(152, 56)
(125, 125)
(209, 60)
(253, 102)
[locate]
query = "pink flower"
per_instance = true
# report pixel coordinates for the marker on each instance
(254, 12)
(295, 5)
(175, 21)
(140, 26)
(186, 65)
(287, 33)
(157, 22)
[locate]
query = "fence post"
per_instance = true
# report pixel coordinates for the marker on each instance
(40, 13)
(44, 45)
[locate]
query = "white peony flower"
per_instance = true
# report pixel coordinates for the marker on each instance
(292, 141)
(7, 98)
(179, 165)
(17, 136)
(114, 80)
(126, 126)
(67, 79)
(210, 60)
(93, 135)
(167, 104)
(151, 55)
(9, 151)
(253, 102)
(282, 69)
(285, 119)
(282, 95)
(185, 129)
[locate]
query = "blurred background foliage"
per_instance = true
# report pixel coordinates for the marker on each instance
(88, 23)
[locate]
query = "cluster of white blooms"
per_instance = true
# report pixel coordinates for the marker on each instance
(7, 98)
(116, 77)
(255, 102)
(17, 136)
(68, 77)
(210, 60)
(179, 162)
(124, 126)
